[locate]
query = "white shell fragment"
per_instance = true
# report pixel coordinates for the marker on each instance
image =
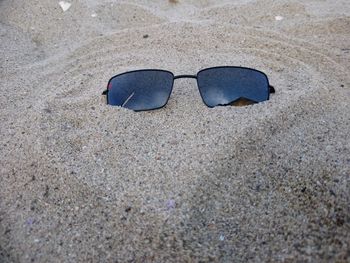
(279, 18)
(93, 15)
(64, 5)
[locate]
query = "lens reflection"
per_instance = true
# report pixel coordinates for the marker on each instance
(140, 90)
(225, 85)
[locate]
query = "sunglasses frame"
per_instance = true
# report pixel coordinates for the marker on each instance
(105, 92)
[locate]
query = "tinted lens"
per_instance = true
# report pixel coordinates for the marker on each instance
(223, 86)
(140, 90)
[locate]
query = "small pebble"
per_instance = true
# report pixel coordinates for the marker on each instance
(171, 204)
(64, 5)
(30, 221)
(279, 18)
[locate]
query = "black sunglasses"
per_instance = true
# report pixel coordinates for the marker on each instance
(150, 89)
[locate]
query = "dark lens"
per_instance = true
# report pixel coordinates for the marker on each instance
(225, 85)
(140, 90)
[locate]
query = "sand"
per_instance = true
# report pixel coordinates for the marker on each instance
(85, 182)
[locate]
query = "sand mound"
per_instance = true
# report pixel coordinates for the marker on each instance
(86, 181)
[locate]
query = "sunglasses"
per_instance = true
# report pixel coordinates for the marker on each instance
(150, 89)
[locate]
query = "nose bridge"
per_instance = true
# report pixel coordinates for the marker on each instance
(185, 76)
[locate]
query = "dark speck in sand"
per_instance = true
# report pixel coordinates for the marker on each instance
(46, 193)
(146, 36)
(128, 209)
(340, 220)
(258, 187)
(33, 205)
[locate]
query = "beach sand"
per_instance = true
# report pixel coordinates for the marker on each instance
(82, 181)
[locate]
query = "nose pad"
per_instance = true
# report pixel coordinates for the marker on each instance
(185, 93)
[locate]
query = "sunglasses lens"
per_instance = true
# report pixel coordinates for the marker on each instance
(226, 85)
(140, 90)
